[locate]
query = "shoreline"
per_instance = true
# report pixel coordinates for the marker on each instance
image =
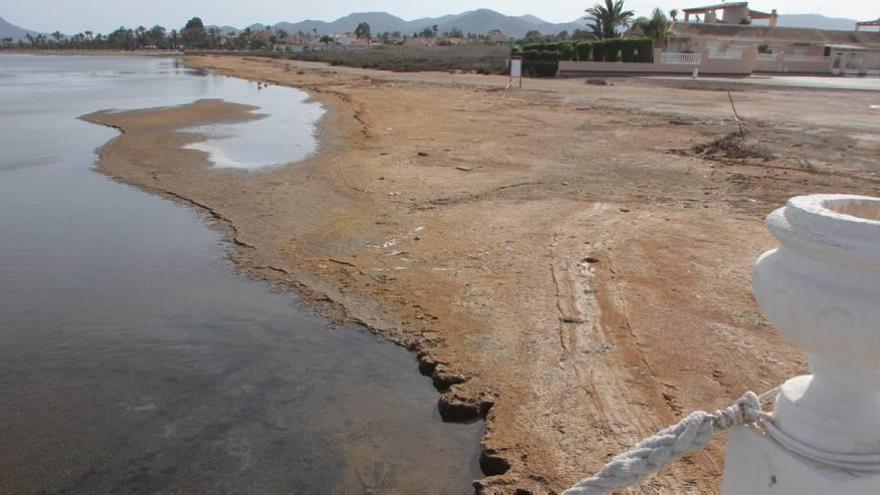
(535, 286)
(317, 294)
(96, 52)
(313, 292)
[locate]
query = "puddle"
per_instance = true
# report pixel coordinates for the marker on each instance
(285, 133)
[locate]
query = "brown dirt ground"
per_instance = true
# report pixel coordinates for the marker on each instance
(561, 259)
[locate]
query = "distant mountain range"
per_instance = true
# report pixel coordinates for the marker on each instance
(8, 30)
(816, 21)
(484, 20)
(475, 21)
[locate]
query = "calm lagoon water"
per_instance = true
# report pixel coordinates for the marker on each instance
(134, 359)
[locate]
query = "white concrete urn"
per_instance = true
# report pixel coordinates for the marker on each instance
(821, 287)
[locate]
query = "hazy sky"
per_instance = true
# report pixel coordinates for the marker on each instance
(71, 16)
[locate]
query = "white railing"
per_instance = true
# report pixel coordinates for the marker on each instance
(681, 58)
(805, 58)
(728, 55)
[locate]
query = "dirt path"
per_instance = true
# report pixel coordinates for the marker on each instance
(561, 260)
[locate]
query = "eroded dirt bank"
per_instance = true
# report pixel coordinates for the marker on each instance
(561, 259)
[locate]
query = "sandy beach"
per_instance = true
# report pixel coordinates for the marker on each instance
(570, 262)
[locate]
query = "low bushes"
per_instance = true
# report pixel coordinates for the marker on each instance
(583, 51)
(542, 59)
(484, 59)
(544, 63)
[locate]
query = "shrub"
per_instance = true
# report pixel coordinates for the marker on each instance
(599, 51)
(645, 47)
(543, 58)
(479, 58)
(584, 50)
(628, 47)
(541, 63)
(567, 51)
(612, 50)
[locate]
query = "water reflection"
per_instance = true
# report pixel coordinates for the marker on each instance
(282, 135)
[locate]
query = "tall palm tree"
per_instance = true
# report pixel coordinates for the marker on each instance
(655, 27)
(605, 19)
(140, 31)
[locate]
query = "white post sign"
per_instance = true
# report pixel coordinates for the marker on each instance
(515, 71)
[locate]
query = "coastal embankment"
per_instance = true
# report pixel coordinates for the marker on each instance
(570, 262)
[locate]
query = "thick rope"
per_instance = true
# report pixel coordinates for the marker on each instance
(667, 446)
(694, 432)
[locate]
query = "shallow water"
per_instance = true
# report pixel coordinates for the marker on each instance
(133, 359)
(283, 135)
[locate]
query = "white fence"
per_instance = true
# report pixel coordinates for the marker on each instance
(727, 55)
(681, 58)
(805, 58)
(779, 57)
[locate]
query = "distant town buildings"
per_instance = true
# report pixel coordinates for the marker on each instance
(731, 13)
(874, 23)
(727, 29)
(729, 39)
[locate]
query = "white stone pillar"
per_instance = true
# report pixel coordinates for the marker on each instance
(821, 288)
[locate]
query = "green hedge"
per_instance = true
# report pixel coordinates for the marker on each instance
(645, 50)
(543, 63)
(600, 52)
(584, 51)
(610, 50)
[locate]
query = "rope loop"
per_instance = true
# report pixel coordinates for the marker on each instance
(747, 409)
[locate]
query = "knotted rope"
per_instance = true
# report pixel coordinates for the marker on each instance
(693, 433)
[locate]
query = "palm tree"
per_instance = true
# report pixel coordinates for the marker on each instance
(214, 36)
(607, 18)
(655, 27)
(674, 14)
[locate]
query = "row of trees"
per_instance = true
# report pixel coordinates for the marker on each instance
(614, 34)
(611, 19)
(606, 20)
(194, 35)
